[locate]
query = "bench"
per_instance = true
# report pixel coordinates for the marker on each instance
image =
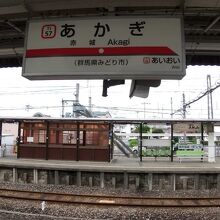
(193, 157)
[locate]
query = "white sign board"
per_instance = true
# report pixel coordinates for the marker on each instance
(156, 142)
(105, 48)
(30, 139)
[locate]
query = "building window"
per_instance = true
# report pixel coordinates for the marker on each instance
(69, 137)
(42, 136)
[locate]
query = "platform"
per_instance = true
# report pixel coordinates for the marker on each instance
(117, 164)
(124, 173)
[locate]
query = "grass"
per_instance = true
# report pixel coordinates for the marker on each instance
(195, 152)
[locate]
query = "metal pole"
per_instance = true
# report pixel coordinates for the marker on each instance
(210, 93)
(0, 133)
(112, 140)
(47, 139)
(208, 101)
(75, 113)
(111, 132)
(63, 108)
(211, 105)
(171, 152)
(202, 136)
(202, 132)
(184, 106)
(141, 139)
(77, 92)
(171, 103)
(90, 103)
(209, 97)
(77, 141)
(212, 24)
(19, 139)
(144, 103)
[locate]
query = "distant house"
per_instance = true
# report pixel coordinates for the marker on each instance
(39, 114)
(98, 114)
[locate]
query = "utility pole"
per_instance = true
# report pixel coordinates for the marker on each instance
(206, 92)
(184, 106)
(209, 98)
(90, 103)
(63, 102)
(184, 113)
(75, 113)
(73, 101)
(77, 108)
(144, 103)
(77, 93)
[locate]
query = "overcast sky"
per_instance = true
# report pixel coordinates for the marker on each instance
(16, 93)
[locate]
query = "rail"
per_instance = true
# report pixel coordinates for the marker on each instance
(105, 200)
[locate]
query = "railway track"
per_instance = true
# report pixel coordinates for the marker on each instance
(109, 200)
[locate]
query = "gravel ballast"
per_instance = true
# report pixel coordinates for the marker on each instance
(15, 209)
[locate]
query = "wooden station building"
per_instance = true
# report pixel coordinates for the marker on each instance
(64, 140)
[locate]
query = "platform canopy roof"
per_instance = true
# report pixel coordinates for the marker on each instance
(201, 22)
(39, 119)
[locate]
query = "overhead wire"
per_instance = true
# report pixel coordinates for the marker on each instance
(122, 109)
(217, 85)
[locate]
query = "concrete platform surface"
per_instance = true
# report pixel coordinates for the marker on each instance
(119, 164)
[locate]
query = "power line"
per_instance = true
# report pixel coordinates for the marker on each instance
(93, 106)
(111, 109)
(98, 107)
(53, 89)
(217, 84)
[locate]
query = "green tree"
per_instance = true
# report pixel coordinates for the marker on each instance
(133, 142)
(145, 129)
(157, 130)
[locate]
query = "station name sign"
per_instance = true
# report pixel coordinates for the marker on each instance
(105, 48)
